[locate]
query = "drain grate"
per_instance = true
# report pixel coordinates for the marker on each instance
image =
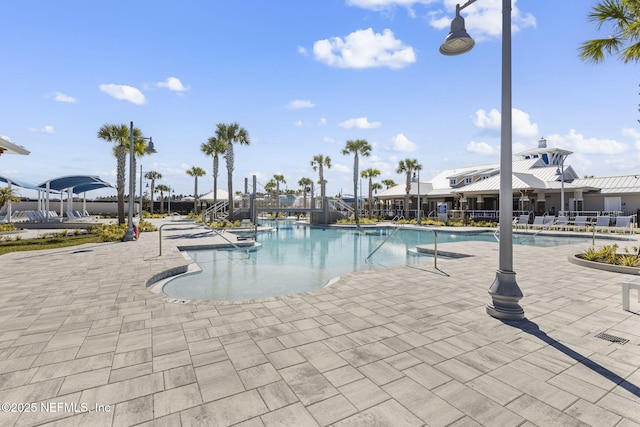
(612, 338)
(176, 300)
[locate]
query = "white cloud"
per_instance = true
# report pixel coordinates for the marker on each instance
(364, 49)
(359, 123)
(44, 129)
(174, 84)
(481, 148)
(521, 122)
(301, 124)
(124, 93)
(483, 20)
(329, 140)
(61, 97)
(634, 134)
(580, 144)
(302, 51)
(402, 144)
(342, 168)
(298, 104)
(322, 121)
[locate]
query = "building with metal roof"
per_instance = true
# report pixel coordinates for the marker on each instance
(542, 183)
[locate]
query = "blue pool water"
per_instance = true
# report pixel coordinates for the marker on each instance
(297, 258)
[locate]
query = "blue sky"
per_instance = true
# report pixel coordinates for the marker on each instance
(303, 77)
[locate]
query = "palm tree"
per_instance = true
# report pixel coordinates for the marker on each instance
(408, 166)
(270, 187)
(230, 134)
(318, 163)
(624, 17)
(305, 183)
(370, 174)
(162, 189)
(7, 195)
(359, 147)
(388, 183)
(278, 178)
(119, 134)
(214, 147)
(196, 172)
(153, 175)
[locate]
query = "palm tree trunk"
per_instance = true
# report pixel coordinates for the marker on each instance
(355, 188)
(215, 179)
(229, 158)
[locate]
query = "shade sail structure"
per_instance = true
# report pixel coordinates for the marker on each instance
(18, 183)
(77, 183)
(8, 147)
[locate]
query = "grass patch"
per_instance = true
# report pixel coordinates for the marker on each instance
(47, 243)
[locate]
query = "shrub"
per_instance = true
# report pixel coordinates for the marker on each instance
(7, 227)
(110, 232)
(146, 226)
(628, 260)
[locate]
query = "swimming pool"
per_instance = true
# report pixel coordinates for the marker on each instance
(298, 258)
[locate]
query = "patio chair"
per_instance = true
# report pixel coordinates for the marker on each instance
(562, 223)
(623, 224)
(522, 221)
(603, 222)
(538, 221)
(579, 223)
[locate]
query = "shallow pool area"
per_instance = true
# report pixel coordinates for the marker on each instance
(297, 258)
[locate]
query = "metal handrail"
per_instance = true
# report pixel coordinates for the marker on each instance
(435, 245)
(380, 245)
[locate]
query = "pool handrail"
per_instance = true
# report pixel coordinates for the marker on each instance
(435, 245)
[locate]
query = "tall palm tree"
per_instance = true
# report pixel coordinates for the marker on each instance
(153, 175)
(230, 134)
(624, 17)
(318, 164)
(408, 166)
(161, 188)
(370, 174)
(305, 183)
(214, 147)
(358, 147)
(196, 172)
(119, 135)
(279, 178)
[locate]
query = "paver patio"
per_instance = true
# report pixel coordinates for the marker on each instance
(84, 342)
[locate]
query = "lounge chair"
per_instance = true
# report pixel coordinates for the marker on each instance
(603, 222)
(623, 224)
(522, 221)
(538, 221)
(579, 223)
(562, 223)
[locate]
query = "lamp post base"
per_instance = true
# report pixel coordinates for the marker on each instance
(505, 295)
(129, 236)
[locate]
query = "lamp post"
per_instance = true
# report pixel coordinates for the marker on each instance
(504, 290)
(419, 206)
(129, 235)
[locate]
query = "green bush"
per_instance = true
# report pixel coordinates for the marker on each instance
(111, 232)
(144, 226)
(7, 227)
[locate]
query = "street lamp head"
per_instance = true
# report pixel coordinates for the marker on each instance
(457, 41)
(150, 148)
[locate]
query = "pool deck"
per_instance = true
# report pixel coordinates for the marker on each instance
(83, 342)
